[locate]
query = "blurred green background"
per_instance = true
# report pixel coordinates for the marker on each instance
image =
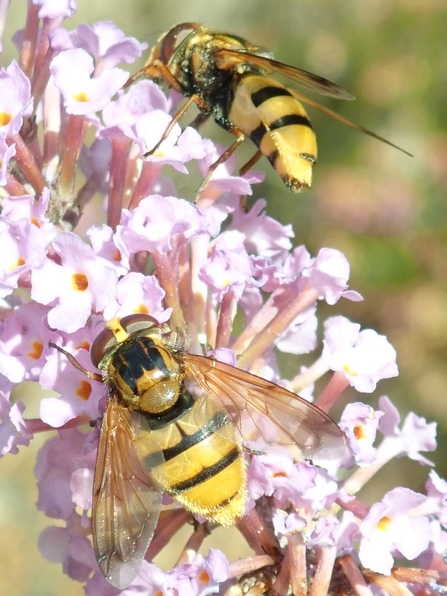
(387, 212)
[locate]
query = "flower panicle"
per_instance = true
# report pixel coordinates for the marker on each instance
(223, 277)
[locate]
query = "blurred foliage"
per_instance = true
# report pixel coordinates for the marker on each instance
(387, 212)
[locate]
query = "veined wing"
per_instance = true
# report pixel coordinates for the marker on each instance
(306, 79)
(264, 410)
(125, 503)
(339, 118)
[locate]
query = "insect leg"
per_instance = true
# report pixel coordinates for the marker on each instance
(193, 99)
(155, 70)
(225, 155)
(251, 162)
(199, 120)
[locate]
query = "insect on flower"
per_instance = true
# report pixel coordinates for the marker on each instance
(175, 423)
(226, 77)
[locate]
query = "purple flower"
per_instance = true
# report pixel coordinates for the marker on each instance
(200, 576)
(330, 530)
(24, 343)
(329, 274)
(179, 147)
(363, 357)
(56, 462)
(263, 235)
(157, 220)
(23, 247)
(437, 496)
(136, 292)
(83, 285)
(229, 267)
(54, 9)
(72, 70)
(70, 547)
(301, 335)
(107, 43)
(287, 524)
(15, 99)
(359, 422)
(390, 530)
(416, 434)
(125, 112)
(13, 430)
(6, 154)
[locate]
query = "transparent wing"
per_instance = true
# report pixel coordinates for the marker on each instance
(125, 503)
(308, 80)
(332, 114)
(265, 411)
(312, 82)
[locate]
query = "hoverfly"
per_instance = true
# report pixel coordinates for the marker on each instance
(226, 77)
(174, 423)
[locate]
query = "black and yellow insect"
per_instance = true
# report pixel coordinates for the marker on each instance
(175, 423)
(226, 77)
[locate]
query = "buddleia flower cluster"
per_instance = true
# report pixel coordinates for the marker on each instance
(70, 135)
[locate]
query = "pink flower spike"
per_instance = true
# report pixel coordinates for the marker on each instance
(82, 94)
(363, 357)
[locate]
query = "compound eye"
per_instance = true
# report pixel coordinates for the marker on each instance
(104, 342)
(107, 339)
(169, 41)
(138, 322)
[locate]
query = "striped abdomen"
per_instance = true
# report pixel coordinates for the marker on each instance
(188, 445)
(278, 124)
(202, 465)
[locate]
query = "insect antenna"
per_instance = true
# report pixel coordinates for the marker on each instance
(76, 364)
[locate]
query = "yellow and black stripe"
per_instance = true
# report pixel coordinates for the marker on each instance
(188, 445)
(202, 464)
(277, 123)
